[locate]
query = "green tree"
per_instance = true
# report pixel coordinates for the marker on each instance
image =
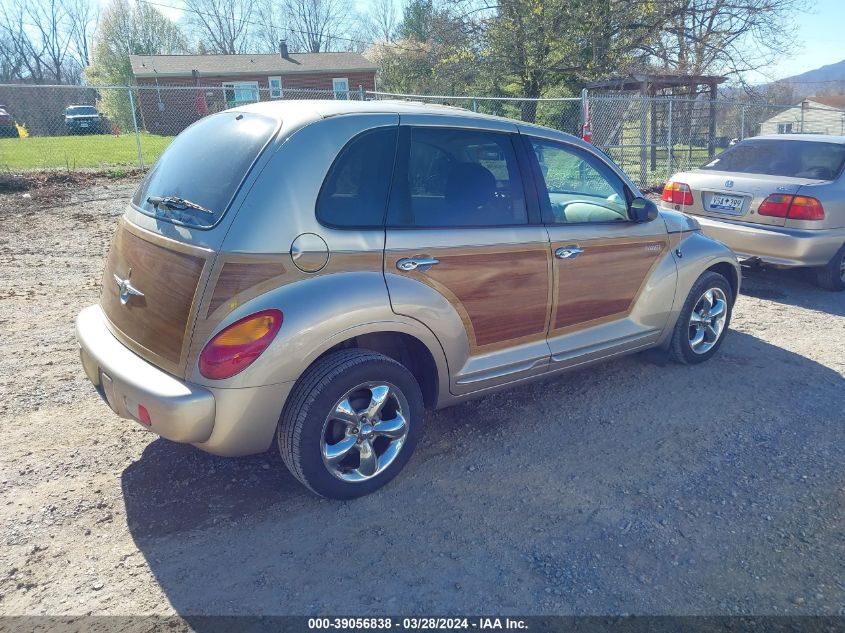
(536, 48)
(128, 28)
(436, 52)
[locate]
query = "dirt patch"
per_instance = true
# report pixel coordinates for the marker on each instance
(36, 188)
(623, 488)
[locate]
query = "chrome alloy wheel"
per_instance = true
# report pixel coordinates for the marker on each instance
(365, 431)
(707, 321)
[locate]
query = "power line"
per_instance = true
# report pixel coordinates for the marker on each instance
(254, 23)
(395, 45)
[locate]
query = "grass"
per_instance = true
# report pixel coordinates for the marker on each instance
(76, 152)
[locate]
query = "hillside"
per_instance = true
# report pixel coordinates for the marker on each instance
(827, 80)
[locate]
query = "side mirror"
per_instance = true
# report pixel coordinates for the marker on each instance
(642, 210)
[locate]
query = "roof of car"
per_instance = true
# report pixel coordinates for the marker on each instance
(322, 108)
(821, 138)
(306, 111)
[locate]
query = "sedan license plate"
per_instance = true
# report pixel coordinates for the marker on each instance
(731, 204)
(83, 125)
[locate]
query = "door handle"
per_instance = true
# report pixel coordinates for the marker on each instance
(568, 252)
(413, 263)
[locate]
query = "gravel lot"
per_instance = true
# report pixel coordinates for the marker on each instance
(624, 488)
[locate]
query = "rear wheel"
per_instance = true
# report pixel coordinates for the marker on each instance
(351, 423)
(832, 276)
(703, 321)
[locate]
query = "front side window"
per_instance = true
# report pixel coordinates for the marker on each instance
(354, 193)
(456, 177)
(578, 186)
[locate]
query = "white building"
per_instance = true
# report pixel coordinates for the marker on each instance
(814, 115)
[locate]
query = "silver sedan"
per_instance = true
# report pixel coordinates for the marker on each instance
(777, 199)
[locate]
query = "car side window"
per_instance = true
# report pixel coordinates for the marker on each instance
(456, 177)
(354, 193)
(578, 187)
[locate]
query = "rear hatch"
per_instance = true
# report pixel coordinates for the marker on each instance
(157, 265)
(735, 184)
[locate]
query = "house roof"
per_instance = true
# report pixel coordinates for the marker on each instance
(265, 64)
(834, 101)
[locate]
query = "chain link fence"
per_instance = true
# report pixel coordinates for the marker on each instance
(119, 127)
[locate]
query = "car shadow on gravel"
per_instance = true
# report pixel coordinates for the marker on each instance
(790, 287)
(601, 491)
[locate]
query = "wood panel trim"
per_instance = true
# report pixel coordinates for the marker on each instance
(661, 241)
(262, 273)
(505, 257)
(173, 362)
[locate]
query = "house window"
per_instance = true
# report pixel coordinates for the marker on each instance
(275, 84)
(784, 128)
(340, 86)
(240, 92)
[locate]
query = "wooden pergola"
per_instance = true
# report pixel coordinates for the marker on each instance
(655, 84)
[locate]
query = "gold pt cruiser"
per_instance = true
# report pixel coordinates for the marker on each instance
(321, 272)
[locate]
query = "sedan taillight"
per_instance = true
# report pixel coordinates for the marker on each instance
(677, 193)
(780, 205)
(236, 347)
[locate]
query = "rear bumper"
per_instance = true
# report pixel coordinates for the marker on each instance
(775, 245)
(180, 411)
(221, 421)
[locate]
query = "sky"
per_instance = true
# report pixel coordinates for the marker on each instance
(818, 33)
(821, 39)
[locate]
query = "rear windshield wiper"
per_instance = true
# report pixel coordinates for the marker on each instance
(175, 202)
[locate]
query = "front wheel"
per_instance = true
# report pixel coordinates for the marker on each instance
(703, 320)
(351, 423)
(832, 276)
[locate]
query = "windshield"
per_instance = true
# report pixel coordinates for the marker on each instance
(819, 160)
(205, 165)
(77, 110)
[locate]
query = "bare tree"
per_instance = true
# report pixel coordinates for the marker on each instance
(11, 60)
(318, 25)
(83, 17)
(724, 36)
(224, 26)
(51, 35)
(381, 21)
(269, 27)
(46, 40)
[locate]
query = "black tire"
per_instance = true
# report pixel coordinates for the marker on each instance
(829, 277)
(301, 426)
(681, 350)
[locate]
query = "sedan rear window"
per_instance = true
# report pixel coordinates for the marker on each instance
(818, 160)
(204, 166)
(80, 110)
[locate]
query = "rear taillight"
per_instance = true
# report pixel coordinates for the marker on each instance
(780, 205)
(776, 205)
(236, 347)
(805, 208)
(677, 193)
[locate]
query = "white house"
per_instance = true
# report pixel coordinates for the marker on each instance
(814, 115)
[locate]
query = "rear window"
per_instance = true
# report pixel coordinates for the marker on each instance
(773, 157)
(205, 165)
(78, 110)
